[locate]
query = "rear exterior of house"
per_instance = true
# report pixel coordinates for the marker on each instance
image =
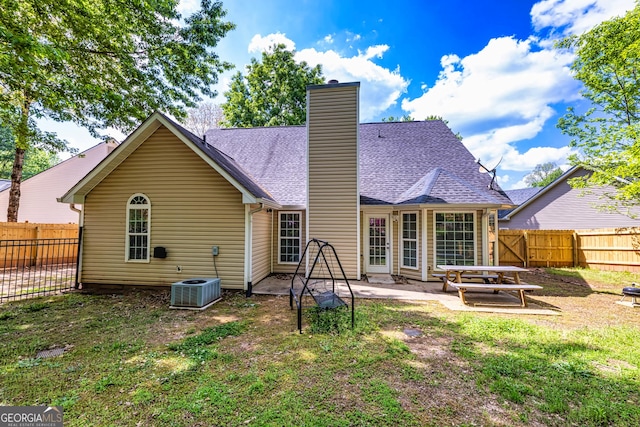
(386, 195)
(187, 208)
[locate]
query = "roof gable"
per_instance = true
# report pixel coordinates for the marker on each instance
(442, 186)
(524, 202)
(251, 191)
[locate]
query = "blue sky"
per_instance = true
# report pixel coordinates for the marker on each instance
(488, 67)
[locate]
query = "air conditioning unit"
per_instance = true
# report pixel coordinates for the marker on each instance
(195, 294)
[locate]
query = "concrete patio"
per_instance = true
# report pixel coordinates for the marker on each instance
(412, 290)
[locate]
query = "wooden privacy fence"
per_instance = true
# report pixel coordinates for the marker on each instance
(23, 244)
(603, 249)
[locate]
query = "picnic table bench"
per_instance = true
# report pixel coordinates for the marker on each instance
(520, 287)
(499, 282)
(488, 278)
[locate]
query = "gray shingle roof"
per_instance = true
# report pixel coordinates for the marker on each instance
(400, 163)
(235, 170)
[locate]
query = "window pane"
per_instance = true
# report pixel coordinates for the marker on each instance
(454, 234)
(409, 240)
(138, 229)
(290, 237)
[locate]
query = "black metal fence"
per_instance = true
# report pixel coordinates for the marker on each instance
(36, 267)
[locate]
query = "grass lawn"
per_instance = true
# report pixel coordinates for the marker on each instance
(130, 361)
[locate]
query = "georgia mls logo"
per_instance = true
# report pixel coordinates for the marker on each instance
(31, 416)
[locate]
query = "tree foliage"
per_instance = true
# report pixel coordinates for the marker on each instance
(607, 135)
(36, 159)
(543, 175)
(101, 64)
(273, 92)
(405, 118)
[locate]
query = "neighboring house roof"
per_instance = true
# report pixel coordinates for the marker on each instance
(518, 197)
(38, 194)
(400, 163)
(4, 184)
(223, 164)
(559, 206)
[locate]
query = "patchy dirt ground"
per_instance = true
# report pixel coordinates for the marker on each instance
(410, 363)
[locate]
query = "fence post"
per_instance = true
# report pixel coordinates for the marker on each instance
(36, 248)
(526, 249)
(575, 249)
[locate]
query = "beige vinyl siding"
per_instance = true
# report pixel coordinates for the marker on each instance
(277, 266)
(260, 245)
(192, 209)
(333, 200)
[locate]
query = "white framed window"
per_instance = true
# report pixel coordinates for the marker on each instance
(289, 237)
(454, 236)
(138, 228)
(410, 240)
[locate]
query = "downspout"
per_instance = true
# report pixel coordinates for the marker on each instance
(249, 250)
(72, 206)
(271, 244)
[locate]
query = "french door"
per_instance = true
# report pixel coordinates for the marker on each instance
(377, 244)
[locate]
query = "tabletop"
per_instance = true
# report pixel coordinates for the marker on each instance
(499, 270)
(488, 268)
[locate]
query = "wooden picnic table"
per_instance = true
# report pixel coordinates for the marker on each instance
(503, 278)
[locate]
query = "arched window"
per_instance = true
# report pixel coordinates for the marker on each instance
(138, 228)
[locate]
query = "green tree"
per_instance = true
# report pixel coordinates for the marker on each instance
(273, 93)
(405, 118)
(607, 63)
(7, 150)
(100, 64)
(543, 175)
(36, 159)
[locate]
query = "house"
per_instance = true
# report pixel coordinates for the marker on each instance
(558, 206)
(518, 197)
(38, 194)
(394, 198)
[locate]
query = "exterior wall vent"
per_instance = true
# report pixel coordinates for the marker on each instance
(195, 294)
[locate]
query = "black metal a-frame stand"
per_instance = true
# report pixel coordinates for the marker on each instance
(327, 297)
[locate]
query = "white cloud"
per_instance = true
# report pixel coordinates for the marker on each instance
(188, 7)
(374, 51)
(380, 87)
(506, 92)
(351, 37)
(261, 44)
(576, 16)
(508, 81)
(328, 39)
